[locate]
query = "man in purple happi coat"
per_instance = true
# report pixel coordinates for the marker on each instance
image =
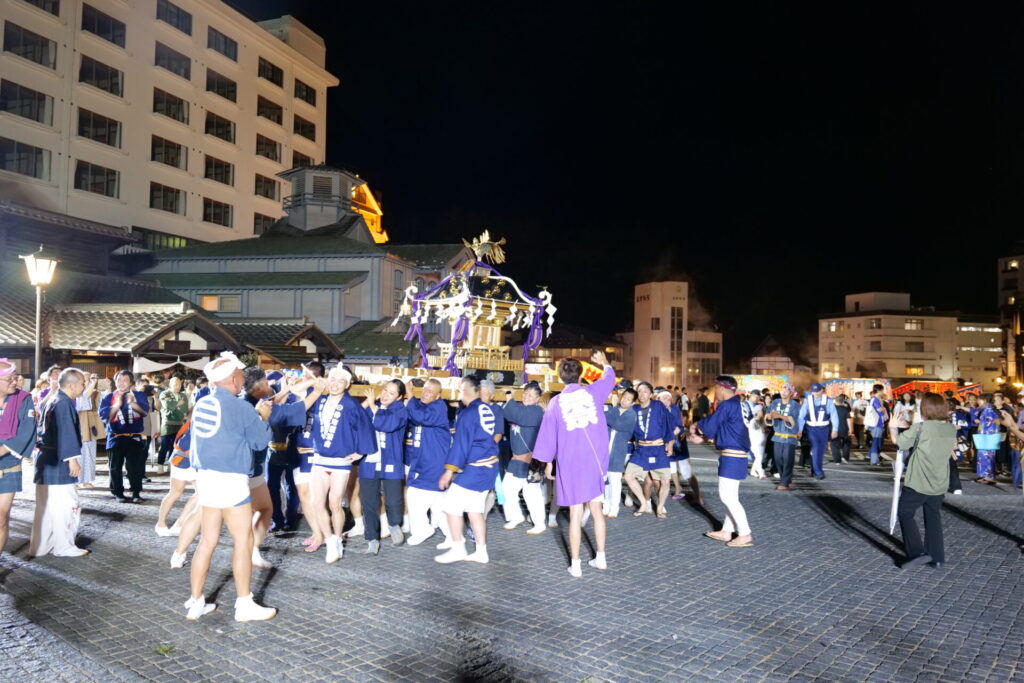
(575, 435)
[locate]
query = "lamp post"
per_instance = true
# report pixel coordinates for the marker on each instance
(40, 272)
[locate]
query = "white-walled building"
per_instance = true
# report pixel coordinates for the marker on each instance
(170, 118)
(665, 349)
(979, 350)
(880, 335)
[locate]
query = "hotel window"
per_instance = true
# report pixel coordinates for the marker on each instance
(913, 324)
(874, 346)
(913, 347)
(834, 326)
(306, 93)
(217, 212)
(874, 323)
(306, 129)
(269, 110)
(170, 105)
(166, 198)
(219, 127)
(173, 61)
(218, 170)
(218, 42)
(175, 16)
(266, 187)
(915, 371)
(97, 179)
(1011, 300)
(299, 160)
(221, 85)
(262, 223)
(171, 153)
(21, 101)
(270, 72)
(1013, 265)
(655, 323)
(230, 303)
(99, 75)
(51, 6)
(103, 25)
(154, 239)
(265, 147)
(99, 128)
(18, 157)
(32, 46)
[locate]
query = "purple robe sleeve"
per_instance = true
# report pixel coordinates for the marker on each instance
(546, 447)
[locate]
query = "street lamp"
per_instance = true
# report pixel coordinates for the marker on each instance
(40, 272)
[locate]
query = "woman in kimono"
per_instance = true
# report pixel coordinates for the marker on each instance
(573, 434)
(988, 424)
(17, 439)
(621, 419)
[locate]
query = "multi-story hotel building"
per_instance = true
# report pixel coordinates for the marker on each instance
(169, 118)
(665, 347)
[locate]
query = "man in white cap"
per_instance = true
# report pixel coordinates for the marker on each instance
(225, 431)
(819, 417)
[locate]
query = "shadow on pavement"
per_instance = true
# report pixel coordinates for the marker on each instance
(981, 523)
(848, 519)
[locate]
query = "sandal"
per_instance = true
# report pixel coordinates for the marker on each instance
(313, 547)
(734, 544)
(662, 514)
(709, 534)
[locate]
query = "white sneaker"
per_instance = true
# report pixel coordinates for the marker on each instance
(178, 560)
(776, 476)
(603, 564)
(537, 530)
(163, 531)
(356, 530)
(513, 524)
(575, 571)
(446, 544)
(333, 543)
(479, 555)
(197, 607)
(456, 553)
(257, 560)
(246, 609)
(958, 492)
(416, 540)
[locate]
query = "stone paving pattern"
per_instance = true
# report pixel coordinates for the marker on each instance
(818, 597)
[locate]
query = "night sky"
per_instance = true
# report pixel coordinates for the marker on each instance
(779, 156)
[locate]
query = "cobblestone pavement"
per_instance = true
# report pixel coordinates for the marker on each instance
(818, 597)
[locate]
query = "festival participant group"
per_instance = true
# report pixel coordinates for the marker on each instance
(264, 452)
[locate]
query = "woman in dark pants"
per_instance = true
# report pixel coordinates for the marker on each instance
(926, 481)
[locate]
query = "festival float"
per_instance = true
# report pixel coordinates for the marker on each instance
(477, 302)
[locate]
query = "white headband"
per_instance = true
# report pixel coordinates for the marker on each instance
(665, 392)
(222, 367)
(345, 374)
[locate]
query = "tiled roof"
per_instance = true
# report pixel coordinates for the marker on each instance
(119, 328)
(274, 245)
(374, 339)
(282, 353)
(17, 323)
(69, 287)
(264, 332)
(260, 280)
(426, 256)
(10, 208)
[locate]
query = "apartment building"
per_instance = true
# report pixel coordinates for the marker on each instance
(171, 119)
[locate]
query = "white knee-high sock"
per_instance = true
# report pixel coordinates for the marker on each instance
(534, 497)
(736, 516)
(511, 486)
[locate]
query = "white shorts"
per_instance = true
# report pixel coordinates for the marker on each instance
(183, 473)
(256, 482)
(682, 468)
(301, 478)
(222, 489)
(457, 500)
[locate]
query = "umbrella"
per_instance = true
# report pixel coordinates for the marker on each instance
(896, 486)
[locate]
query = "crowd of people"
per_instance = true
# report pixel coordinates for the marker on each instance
(264, 451)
